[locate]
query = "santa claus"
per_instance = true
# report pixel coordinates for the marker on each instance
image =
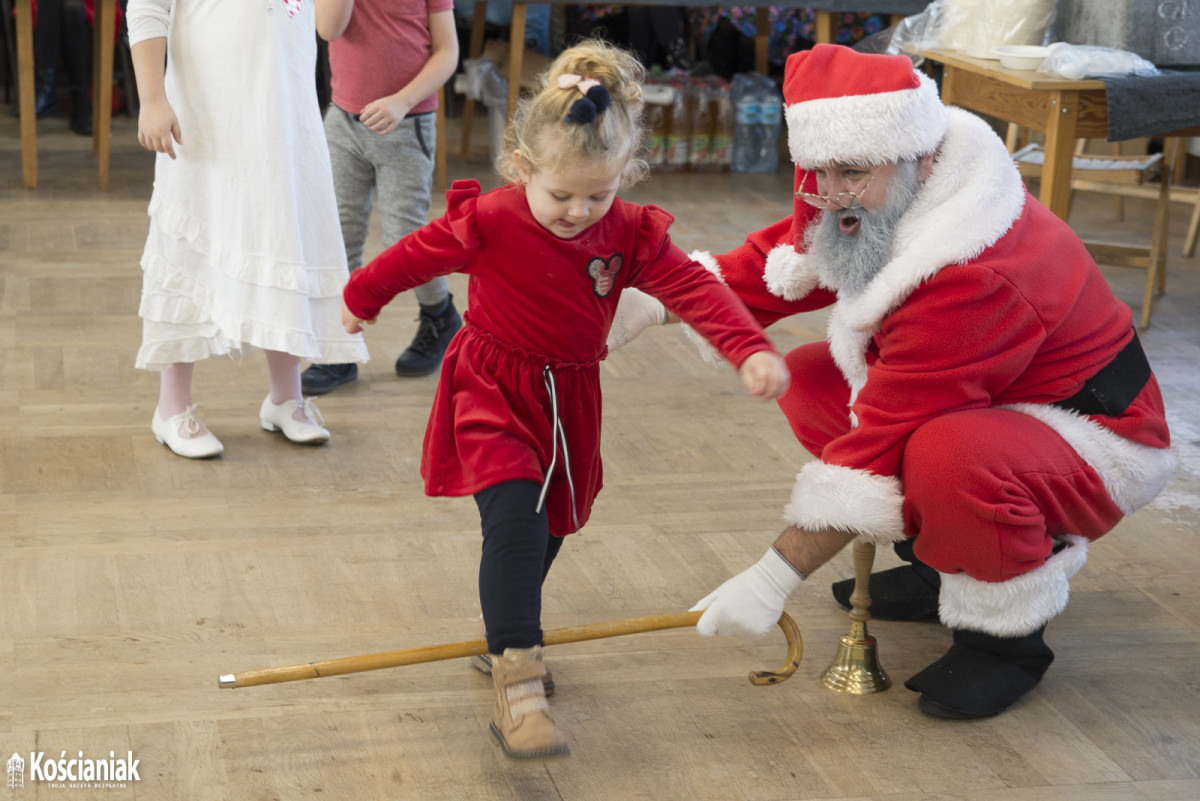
(981, 403)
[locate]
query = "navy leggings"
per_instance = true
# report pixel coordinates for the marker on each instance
(518, 550)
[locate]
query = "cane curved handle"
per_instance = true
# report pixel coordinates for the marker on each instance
(791, 632)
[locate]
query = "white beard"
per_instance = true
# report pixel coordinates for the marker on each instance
(845, 263)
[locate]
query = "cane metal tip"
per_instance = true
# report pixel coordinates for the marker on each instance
(227, 681)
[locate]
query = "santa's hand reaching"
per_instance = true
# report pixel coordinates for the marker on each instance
(750, 603)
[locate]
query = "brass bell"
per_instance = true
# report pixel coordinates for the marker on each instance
(856, 669)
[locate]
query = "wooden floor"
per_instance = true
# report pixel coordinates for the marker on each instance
(130, 578)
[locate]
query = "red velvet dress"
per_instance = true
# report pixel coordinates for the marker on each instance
(539, 312)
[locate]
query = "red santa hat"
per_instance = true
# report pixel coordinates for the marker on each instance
(859, 108)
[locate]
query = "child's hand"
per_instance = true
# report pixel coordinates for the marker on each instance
(765, 375)
(157, 126)
(353, 324)
(383, 115)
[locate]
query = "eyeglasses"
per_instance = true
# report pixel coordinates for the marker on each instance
(845, 200)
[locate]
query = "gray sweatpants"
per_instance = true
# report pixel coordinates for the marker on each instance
(395, 168)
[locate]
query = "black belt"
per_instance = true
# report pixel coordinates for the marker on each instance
(1110, 391)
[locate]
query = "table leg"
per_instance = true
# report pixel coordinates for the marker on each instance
(1060, 149)
(96, 76)
(102, 116)
(29, 165)
(824, 27)
(516, 54)
(1156, 278)
(762, 39)
(474, 50)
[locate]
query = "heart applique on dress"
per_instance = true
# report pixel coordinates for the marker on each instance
(604, 273)
(292, 6)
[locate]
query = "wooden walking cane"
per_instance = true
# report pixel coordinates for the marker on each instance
(435, 653)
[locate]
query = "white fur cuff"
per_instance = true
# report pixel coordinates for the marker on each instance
(707, 352)
(832, 496)
(708, 262)
(788, 274)
(1133, 474)
(1016, 607)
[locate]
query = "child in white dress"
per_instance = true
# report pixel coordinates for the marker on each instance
(245, 248)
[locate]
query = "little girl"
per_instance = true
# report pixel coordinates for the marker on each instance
(245, 249)
(516, 418)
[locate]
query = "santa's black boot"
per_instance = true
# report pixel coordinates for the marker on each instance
(907, 592)
(981, 675)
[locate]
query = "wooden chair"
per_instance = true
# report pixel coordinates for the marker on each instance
(1128, 176)
(102, 72)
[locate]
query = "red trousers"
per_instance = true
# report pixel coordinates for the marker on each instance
(986, 491)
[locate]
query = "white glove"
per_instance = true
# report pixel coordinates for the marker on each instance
(636, 311)
(750, 603)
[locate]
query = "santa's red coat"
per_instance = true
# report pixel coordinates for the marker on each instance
(989, 302)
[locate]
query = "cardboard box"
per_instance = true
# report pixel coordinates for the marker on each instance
(1165, 32)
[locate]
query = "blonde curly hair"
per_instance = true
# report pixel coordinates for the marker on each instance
(614, 141)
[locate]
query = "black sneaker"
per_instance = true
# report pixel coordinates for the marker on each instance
(434, 333)
(321, 378)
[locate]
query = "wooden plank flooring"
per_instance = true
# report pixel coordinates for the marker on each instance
(130, 579)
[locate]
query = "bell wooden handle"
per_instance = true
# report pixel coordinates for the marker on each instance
(860, 599)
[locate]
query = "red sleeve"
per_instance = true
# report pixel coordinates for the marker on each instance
(744, 270)
(693, 293)
(442, 247)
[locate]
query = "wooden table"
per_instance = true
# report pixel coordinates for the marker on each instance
(1063, 110)
(825, 27)
(102, 70)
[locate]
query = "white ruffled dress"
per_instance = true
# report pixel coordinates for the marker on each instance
(245, 246)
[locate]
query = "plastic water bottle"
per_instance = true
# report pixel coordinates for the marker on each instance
(679, 129)
(703, 122)
(769, 119)
(747, 132)
(658, 97)
(722, 139)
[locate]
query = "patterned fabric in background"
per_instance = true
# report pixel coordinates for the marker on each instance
(789, 26)
(593, 13)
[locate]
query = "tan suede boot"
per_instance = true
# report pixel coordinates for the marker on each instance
(483, 663)
(521, 721)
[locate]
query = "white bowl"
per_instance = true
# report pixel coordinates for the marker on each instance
(1021, 57)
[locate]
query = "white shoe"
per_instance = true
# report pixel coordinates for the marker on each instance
(191, 447)
(279, 418)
